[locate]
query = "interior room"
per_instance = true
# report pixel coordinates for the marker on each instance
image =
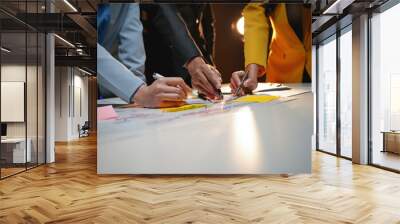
(25, 69)
(22, 102)
(52, 169)
(384, 89)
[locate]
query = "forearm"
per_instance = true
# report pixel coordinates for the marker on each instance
(173, 29)
(115, 77)
(131, 50)
(208, 28)
(256, 36)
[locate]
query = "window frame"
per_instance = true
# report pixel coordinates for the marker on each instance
(336, 35)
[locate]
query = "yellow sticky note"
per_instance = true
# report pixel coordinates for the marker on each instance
(184, 107)
(256, 98)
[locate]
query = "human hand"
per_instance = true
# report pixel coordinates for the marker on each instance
(205, 77)
(164, 92)
(249, 84)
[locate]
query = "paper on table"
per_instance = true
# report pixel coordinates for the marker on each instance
(182, 108)
(106, 113)
(256, 98)
(262, 86)
(111, 101)
(197, 101)
(286, 93)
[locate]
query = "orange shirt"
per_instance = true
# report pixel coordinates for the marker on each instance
(284, 57)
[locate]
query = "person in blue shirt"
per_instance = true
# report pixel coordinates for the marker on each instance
(121, 60)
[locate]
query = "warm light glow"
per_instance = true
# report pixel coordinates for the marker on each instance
(245, 138)
(240, 25)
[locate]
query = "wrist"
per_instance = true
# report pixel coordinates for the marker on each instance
(194, 62)
(140, 94)
(256, 69)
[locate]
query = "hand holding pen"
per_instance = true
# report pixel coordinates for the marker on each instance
(205, 78)
(244, 82)
(164, 92)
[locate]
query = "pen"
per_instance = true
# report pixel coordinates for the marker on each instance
(157, 76)
(241, 85)
(202, 96)
(220, 95)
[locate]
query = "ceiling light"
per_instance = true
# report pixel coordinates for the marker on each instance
(337, 7)
(80, 51)
(5, 50)
(84, 71)
(65, 41)
(240, 26)
(70, 5)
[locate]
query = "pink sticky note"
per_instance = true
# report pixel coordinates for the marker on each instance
(106, 113)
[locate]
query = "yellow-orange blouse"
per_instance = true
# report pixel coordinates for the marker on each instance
(284, 57)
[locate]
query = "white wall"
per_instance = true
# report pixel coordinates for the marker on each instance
(71, 102)
(62, 81)
(33, 126)
(13, 73)
(13, 101)
(80, 110)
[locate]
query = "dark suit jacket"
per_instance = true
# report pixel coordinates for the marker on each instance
(199, 20)
(168, 42)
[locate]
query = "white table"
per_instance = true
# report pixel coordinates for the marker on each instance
(265, 138)
(19, 155)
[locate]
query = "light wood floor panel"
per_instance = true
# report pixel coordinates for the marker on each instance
(70, 191)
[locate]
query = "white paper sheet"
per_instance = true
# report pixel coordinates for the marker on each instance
(261, 87)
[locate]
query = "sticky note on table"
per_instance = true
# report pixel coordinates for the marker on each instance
(256, 98)
(106, 113)
(184, 107)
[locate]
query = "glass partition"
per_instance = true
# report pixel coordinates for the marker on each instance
(14, 153)
(346, 93)
(22, 78)
(32, 98)
(41, 97)
(385, 89)
(327, 95)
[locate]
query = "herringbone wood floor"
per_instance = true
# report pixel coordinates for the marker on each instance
(70, 191)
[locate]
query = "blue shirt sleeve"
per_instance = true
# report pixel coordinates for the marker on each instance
(123, 74)
(116, 77)
(131, 50)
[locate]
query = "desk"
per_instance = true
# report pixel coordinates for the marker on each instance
(391, 141)
(265, 138)
(16, 153)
